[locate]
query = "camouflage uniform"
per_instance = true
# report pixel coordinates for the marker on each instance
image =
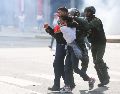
(97, 39)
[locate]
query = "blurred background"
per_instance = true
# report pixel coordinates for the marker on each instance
(30, 15)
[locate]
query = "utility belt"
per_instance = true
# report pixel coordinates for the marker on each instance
(60, 44)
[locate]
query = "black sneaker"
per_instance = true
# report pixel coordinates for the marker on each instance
(54, 88)
(66, 89)
(91, 83)
(72, 87)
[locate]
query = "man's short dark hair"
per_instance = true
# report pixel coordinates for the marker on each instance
(63, 9)
(66, 18)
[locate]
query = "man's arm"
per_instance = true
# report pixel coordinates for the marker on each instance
(49, 30)
(73, 24)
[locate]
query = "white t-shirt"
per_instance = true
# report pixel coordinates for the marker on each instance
(69, 34)
(55, 21)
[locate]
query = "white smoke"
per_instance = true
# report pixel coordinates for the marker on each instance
(108, 11)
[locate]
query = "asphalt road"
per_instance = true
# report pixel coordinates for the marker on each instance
(26, 67)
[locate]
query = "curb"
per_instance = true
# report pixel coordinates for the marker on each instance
(113, 40)
(109, 40)
(43, 37)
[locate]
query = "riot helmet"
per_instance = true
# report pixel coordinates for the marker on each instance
(74, 12)
(90, 9)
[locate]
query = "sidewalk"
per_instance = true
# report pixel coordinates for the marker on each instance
(32, 34)
(27, 71)
(113, 38)
(44, 35)
(5, 88)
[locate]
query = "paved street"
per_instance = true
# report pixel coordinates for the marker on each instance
(26, 67)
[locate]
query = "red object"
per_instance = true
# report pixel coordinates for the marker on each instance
(57, 28)
(40, 2)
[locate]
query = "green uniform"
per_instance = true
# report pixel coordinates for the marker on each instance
(98, 45)
(96, 35)
(82, 28)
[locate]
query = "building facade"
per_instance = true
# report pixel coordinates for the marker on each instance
(30, 12)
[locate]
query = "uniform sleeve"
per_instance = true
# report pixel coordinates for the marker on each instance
(83, 25)
(72, 24)
(96, 23)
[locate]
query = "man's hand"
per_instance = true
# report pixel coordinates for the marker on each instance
(46, 26)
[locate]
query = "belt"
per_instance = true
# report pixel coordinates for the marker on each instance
(61, 44)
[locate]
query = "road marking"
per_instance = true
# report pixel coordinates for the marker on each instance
(17, 81)
(51, 77)
(45, 76)
(11, 89)
(21, 82)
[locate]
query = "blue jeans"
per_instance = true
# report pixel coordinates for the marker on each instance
(77, 51)
(71, 63)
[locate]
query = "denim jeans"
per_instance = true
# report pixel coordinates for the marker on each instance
(71, 63)
(76, 50)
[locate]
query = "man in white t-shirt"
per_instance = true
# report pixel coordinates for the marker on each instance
(74, 52)
(69, 35)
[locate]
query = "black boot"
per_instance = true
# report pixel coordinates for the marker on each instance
(102, 74)
(54, 88)
(106, 78)
(105, 82)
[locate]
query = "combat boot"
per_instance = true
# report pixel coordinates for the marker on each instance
(54, 88)
(102, 73)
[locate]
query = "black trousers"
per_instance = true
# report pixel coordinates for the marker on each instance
(59, 65)
(98, 51)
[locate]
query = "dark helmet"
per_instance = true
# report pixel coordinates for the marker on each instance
(90, 9)
(74, 12)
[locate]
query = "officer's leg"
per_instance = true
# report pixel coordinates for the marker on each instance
(102, 73)
(85, 60)
(101, 66)
(94, 52)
